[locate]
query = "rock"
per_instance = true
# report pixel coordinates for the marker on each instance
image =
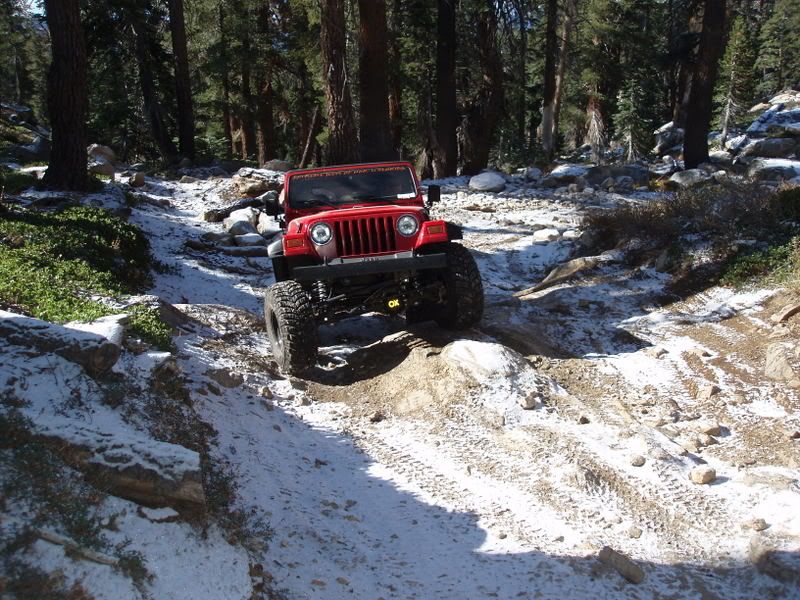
(624, 182)
(622, 564)
(185, 163)
(249, 239)
(546, 235)
(220, 214)
(574, 188)
(101, 167)
(667, 137)
(562, 272)
(634, 532)
(688, 179)
(634, 174)
(265, 392)
(756, 524)
(655, 351)
(702, 475)
(583, 420)
(707, 427)
(98, 151)
(226, 377)
(779, 365)
(708, 391)
(237, 228)
(245, 251)
(760, 107)
(249, 214)
(376, 417)
(770, 148)
(774, 120)
(638, 461)
(487, 182)
(278, 165)
(772, 169)
(111, 328)
(786, 313)
(736, 143)
(607, 183)
(252, 187)
(94, 352)
(267, 226)
(529, 402)
(218, 236)
(532, 174)
(168, 313)
(721, 157)
(136, 180)
(131, 466)
(564, 175)
(189, 179)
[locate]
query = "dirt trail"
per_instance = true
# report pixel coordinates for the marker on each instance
(422, 439)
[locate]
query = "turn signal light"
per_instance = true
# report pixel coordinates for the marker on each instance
(294, 242)
(432, 229)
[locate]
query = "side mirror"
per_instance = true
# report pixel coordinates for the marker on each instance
(272, 204)
(434, 194)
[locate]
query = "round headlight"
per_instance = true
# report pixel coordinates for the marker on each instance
(407, 225)
(321, 234)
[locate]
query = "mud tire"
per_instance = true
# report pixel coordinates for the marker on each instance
(463, 302)
(291, 327)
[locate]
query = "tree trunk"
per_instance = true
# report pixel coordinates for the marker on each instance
(265, 126)
(446, 142)
(311, 140)
(373, 64)
(246, 116)
(395, 84)
(570, 11)
(549, 87)
(342, 137)
(152, 106)
(227, 118)
(700, 106)
(67, 96)
(183, 87)
(595, 129)
(480, 122)
(522, 74)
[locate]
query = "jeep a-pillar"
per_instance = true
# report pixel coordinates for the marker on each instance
(358, 239)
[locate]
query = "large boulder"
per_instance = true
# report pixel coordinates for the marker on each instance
(667, 137)
(278, 165)
(98, 151)
(563, 175)
(773, 169)
(775, 121)
(770, 148)
(720, 157)
(597, 175)
(688, 178)
(101, 166)
(488, 182)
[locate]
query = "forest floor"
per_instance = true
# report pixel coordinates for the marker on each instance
(498, 462)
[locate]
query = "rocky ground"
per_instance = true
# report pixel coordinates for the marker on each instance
(415, 463)
(601, 434)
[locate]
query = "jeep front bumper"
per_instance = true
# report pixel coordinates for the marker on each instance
(339, 268)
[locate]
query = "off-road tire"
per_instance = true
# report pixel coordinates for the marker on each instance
(463, 302)
(291, 327)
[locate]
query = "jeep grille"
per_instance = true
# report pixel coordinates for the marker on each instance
(368, 235)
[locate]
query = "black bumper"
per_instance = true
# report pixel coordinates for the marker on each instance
(339, 268)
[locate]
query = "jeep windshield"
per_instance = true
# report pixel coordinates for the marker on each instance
(351, 185)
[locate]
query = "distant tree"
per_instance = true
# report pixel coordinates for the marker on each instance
(550, 72)
(183, 87)
(779, 54)
(342, 138)
(373, 68)
(67, 97)
(736, 85)
(700, 105)
(446, 162)
(633, 121)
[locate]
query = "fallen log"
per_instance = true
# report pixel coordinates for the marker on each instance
(92, 351)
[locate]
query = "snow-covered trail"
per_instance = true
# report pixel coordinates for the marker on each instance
(459, 493)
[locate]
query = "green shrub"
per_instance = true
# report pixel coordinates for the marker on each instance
(13, 182)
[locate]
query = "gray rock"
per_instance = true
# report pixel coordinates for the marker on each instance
(267, 226)
(770, 148)
(688, 179)
(721, 157)
(532, 173)
(638, 175)
(774, 120)
(101, 166)
(624, 182)
(638, 461)
(217, 236)
(772, 169)
(98, 151)
(136, 180)
(240, 227)
(252, 187)
(249, 239)
(189, 179)
(278, 165)
(706, 392)
(667, 137)
(488, 182)
(607, 183)
(779, 364)
(226, 377)
(563, 175)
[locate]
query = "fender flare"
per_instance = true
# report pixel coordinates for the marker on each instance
(275, 247)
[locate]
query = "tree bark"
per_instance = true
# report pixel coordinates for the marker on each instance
(373, 65)
(342, 137)
(152, 106)
(570, 11)
(227, 118)
(311, 139)
(700, 106)
(446, 141)
(395, 84)
(480, 122)
(183, 86)
(549, 87)
(67, 96)
(265, 122)
(246, 115)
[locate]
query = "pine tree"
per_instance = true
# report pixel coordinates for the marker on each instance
(736, 84)
(633, 125)
(779, 54)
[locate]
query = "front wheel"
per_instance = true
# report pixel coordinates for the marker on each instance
(462, 305)
(291, 327)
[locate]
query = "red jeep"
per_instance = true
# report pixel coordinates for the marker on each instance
(357, 239)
